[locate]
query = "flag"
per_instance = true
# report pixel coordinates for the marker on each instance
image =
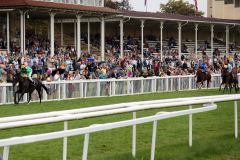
(145, 3)
(196, 5)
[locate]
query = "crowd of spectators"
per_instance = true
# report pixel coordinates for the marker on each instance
(65, 66)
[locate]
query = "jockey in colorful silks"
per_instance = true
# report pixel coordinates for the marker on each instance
(28, 71)
(204, 68)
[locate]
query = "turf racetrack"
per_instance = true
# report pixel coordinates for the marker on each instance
(213, 132)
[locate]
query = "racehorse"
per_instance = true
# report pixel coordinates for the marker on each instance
(235, 79)
(26, 86)
(229, 80)
(201, 78)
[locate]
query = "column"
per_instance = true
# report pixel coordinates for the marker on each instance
(161, 40)
(24, 32)
(8, 33)
(75, 35)
(121, 38)
(78, 36)
(102, 38)
(227, 39)
(89, 36)
(142, 37)
(196, 40)
(179, 40)
(52, 33)
(212, 35)
(61, 33)
(21, 31)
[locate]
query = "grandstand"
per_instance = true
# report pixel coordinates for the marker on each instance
(92, 20)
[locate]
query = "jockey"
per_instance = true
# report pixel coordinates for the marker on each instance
(28, 71)
(204, 68)
(228, 67)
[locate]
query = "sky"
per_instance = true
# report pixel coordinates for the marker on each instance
(154, 5)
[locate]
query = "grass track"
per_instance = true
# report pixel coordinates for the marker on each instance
(213, 132)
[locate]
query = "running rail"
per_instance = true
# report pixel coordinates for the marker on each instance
(6, 143)
(153, 103)
(65, 116)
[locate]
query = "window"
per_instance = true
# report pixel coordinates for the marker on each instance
(237, 3)
(228, 1)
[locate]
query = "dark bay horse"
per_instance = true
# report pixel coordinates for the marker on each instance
(201, 78)
(26, 86)
(229, 80)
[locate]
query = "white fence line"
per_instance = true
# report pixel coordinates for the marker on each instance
(43, 118)
(6, 143)
(60, 116)
(62, 90)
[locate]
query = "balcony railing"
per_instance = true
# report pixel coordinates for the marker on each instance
(98, 3)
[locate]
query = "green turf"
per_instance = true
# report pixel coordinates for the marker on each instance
(213, 132)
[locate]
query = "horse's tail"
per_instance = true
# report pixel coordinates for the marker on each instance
(45, 88)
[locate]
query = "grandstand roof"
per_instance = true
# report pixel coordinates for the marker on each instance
(6, 4)
(25, 4)
(177, 17)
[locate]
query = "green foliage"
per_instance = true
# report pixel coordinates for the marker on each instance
(122, 5)
(213, 132)
(180, 7)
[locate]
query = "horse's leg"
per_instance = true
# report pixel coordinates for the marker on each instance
(15, 97)
(230, 88)
(40, 94)
(220, 87)
(201, 85)
(21, 97)
(29, 97)
(225, 87)
(235, 86)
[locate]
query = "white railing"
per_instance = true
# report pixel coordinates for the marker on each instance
(43, 118)
(63, 90)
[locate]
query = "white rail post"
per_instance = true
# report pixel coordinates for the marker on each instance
(64, 91)
(128, 87)
(65, 142)
(166, 78)
(155, 84)
(44, 95)
(236, 118)
(154, 133)
(5, 152)
(142, 86)
(98, 89)
(113, 88)
(132, 87)
(81, 90)
(190, 83)
(85, 146)
(85, 90)
(134, 137)
(59, 91)
(179, 83)
(4, 95)
(190, 128)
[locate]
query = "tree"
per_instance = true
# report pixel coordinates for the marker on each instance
(180, 7)
(122, 5)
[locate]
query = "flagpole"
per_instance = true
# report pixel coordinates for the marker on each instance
(146, 5)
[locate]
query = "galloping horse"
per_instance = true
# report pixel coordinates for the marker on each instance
(26, 86)
(228, 80)
(235, 79)
(201, 78)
